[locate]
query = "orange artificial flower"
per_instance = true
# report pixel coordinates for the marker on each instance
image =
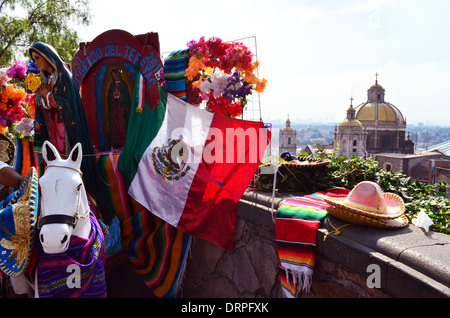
(251, 79)
(13, 93)
(196, 84)
(194, 67)
(32, 111)
(3, 129)
(261, 86)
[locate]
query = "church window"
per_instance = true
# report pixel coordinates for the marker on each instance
(355, 143)
(289, 140)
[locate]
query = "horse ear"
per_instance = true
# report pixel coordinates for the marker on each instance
(76, 154)
(49, 152)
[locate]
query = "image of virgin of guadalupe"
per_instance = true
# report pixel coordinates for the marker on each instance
(60, 117)
(117, 111)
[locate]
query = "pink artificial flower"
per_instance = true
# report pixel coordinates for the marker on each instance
(18, 70)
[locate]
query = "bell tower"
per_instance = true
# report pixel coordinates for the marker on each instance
(288, 138)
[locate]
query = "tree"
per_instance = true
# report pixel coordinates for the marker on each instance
(24, 22)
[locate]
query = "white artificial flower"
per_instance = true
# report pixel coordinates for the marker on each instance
(4, 78)
(219, 81)
(26, 127)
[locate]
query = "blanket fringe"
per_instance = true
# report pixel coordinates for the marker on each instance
(301, 281)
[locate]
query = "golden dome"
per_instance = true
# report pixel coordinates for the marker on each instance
(350, 124)
(288, 129)
(383, 112)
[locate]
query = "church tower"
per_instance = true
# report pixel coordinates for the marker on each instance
(288, 138)
(350, 136)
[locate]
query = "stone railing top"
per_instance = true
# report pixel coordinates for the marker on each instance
(418, 255)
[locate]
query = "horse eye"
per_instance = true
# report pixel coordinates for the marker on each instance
(79, 186)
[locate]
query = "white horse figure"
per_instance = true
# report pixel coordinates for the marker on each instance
(64, 203)
(64, 208)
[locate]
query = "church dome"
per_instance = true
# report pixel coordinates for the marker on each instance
(376, 109)
(350, 124)
(288, 127)
(382, 112)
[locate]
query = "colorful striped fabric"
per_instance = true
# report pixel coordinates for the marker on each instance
(55, 276)
(158, 252)
(175, 73)
(123, 205)
(296, 224)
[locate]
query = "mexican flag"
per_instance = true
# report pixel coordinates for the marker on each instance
(193, 173)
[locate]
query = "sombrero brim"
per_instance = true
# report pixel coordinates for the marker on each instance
(394, 203)
(303, 163)
(7, 150)
(351, 217)
(18, 220)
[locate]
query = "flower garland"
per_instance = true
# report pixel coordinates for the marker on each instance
(222, 75)
(17, 109)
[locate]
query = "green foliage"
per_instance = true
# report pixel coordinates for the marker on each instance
(348, 172)
(48, 21)
(419, 197)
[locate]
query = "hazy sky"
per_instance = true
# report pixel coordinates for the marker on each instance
(315, 55)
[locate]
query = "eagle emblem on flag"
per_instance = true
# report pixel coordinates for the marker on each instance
(170, 161)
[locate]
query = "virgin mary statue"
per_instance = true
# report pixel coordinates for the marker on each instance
(60, 117)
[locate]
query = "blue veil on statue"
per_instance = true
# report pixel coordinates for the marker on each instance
(71, 111)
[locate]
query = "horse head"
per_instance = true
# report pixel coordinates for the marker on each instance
(64, 204)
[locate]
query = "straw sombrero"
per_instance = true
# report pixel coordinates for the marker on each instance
(303, 162)
(366, 204)
(7, 150)
(18, 216)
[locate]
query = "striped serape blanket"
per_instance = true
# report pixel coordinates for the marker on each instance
(56, 279)
(158, 252)
(296, 223)
(175, 73)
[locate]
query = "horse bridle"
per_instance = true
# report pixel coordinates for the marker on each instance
(64, 218)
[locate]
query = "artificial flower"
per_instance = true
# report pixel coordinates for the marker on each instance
(193, 95)
(26, 127)
(33, 82)
(222, 75)
(217, 84)
(4, 78)
(29, 103)
(195, 65)
(11, 97)
(17, 109)
(261, 86)
(197, 83)
(32, 111)
(18, 70)
(251, 79)
(32, 68)
(224, 107)
(16, 113)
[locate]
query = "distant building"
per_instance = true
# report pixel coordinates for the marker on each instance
(443, 146)
(384, 123)
(288, 138)
(372, 127)
(350, 136)
(428, 167)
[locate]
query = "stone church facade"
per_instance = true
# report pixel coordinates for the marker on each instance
(379, 122)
